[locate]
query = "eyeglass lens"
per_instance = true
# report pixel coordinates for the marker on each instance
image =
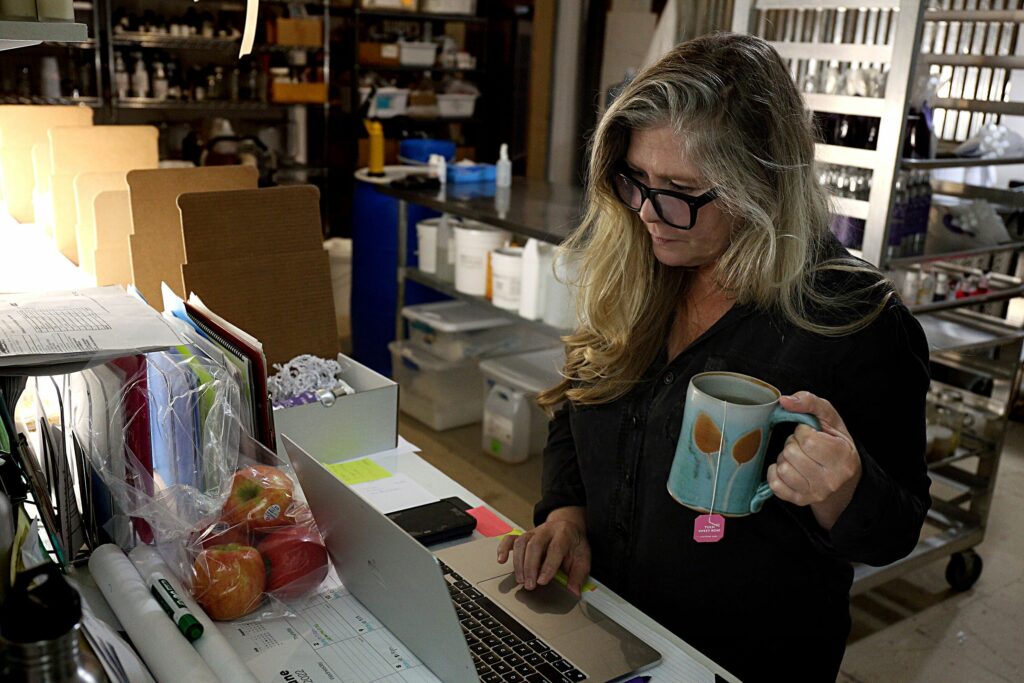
(672, 210)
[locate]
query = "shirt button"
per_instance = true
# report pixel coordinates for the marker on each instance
(635, 421)
(669, 377)
(629, 477)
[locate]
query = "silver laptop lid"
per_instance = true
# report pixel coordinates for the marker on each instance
(387, 570)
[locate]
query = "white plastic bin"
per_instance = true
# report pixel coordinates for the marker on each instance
(435, 391)
(426, 244)
(387, 103)
(457, 330)
(456, 106)
(415, 53)
(474, 242)
(514, 425)
(506, 277)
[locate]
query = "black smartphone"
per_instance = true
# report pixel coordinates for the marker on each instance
(435, 522)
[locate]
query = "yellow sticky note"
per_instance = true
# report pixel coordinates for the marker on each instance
(358, 471)
(560, 576)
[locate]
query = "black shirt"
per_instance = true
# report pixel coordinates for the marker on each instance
(770, 601)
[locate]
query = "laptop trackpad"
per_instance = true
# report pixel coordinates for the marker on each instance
(549, 611)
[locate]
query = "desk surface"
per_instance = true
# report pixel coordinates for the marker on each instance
(533, 208)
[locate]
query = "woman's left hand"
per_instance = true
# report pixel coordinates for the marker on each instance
(819, 469)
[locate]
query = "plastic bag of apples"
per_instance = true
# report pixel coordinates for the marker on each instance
(261, 549)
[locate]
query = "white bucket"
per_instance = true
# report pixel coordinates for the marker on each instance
(473, 243)
(426, 239)
(506, 277)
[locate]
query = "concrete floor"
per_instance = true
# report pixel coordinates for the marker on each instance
(913, 629)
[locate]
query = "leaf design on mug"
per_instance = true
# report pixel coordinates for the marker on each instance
(746, 448)
(706, 434)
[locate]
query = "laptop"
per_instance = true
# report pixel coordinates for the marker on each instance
(459, 611)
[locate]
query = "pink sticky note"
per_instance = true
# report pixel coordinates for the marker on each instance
(488, 523)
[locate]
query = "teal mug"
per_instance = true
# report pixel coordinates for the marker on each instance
(720, 453)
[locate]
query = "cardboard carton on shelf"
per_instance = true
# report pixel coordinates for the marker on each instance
(298, 93)
(300, 32)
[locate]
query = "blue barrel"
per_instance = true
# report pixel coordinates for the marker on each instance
(374, 276)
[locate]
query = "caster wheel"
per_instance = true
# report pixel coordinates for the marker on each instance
(963, 570)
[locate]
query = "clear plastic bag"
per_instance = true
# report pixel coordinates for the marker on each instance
(172, 446)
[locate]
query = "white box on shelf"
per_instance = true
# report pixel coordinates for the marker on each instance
(454, 106)
(387, 102)
(457, 330)
(436, 392)
(448, 6)
(358, 424)
(415, 53)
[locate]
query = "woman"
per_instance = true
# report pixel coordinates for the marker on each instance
(705, 246)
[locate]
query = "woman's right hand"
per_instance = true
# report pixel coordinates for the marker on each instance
(558, 543)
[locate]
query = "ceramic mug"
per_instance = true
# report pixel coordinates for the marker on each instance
(720, 453)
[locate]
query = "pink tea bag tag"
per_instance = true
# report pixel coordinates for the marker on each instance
(708, 528)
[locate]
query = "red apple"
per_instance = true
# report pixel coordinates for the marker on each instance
(296, 560)
(260, 497)
(229, 581)
(219, 533)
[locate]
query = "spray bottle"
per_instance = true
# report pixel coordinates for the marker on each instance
(504, 169)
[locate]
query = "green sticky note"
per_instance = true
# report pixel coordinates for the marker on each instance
(560, 576)
(358, 471)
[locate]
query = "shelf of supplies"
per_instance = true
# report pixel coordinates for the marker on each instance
(846, 104)
(974, 15)
(998, 293)
(168, 42)
(1007, 108)
(846, 156)
(928, 550)
(94, 102)
(436, 283)
(418, 16)
(842, 52)
(416, 69)
(82, 45)
(848, 206)
(958, 162)
(972, 449)
(990, 61)
(904, 261)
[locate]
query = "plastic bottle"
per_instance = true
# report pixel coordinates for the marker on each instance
(911, 287)
(941, 287)
(160, 87)
(140, 79)
(536, 258)
(120, 76)
(504, 169)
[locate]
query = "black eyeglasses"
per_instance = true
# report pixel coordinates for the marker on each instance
(676, 209)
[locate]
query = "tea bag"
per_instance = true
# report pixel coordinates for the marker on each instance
(710, 528)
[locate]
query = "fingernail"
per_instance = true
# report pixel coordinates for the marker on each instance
(794, 398)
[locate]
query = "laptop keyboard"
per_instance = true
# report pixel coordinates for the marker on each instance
(504, 651)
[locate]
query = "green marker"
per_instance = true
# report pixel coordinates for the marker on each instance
(176, 609)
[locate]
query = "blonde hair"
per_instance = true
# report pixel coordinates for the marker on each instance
(742, 122)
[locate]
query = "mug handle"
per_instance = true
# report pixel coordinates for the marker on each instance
(779, 415)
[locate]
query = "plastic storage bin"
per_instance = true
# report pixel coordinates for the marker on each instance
(415, 53)
(458, 330)
(454, 106)
(514, 425)
(437, 392)
(448, 6)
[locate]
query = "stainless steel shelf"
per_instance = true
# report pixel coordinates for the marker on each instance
(167, 42)
(991, 61)
(255, 110)
(15, 34)
(419, 16)
(974, 449)
(928, 550)
(1007, 108)
(846, 156)
(94, 102)
(959, 162)
(842, 52)
(845, 104)
(80, 45)
(416, 69)
(854, 208)
(974, 15)
(416, 275)
(1009, 198)
(904, 261)
(824, 4)
(1002, 294)
(954, 332)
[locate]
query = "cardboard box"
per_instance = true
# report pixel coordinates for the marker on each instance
(95, 149)
(22, 127)
(257, 258)
(156, 243)
(302, 32)
(362, 423)
(112, 216)
(87, 187)
(298, 93)
(379, 54)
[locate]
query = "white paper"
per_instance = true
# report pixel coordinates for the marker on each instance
(396, 492)
(333, 637)
(93, 325)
